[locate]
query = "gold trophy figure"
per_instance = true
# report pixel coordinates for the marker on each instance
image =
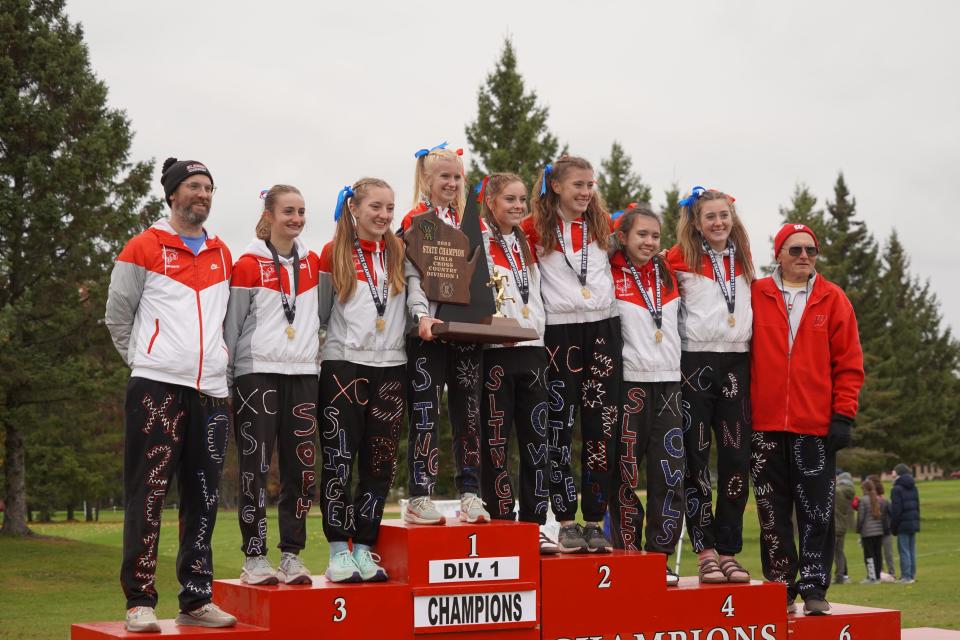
(499, 280)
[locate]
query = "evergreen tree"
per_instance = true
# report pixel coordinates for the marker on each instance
(68, 200)
(510, 132)
(671, 217)
(618, 184)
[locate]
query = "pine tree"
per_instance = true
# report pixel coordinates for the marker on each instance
(68, 200)
(618, 184)
(671, 216)
(510, 132)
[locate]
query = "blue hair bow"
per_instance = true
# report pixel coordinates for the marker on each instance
(547, 170)
(422, 152)
(695, 193)
(345, 193)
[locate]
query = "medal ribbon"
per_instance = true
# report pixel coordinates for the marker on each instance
(378, 302)
(731, 295)
(656, 310)
(519, 277)
(289, 306)
(582, 276)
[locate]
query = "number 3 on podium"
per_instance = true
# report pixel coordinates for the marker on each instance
(340, 611)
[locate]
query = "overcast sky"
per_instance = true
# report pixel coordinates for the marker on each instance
(749, 97)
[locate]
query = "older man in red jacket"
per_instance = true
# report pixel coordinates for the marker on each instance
(807, 370)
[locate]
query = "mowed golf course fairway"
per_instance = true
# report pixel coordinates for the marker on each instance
(70, 571)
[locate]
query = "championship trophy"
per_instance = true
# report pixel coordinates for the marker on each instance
(453, 270)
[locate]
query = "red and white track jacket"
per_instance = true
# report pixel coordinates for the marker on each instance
(562, 298)
(645, 359)
(704, 322)
(165, 309)
(799, 390)
(497, 259)
(255, 327)
(352, 333)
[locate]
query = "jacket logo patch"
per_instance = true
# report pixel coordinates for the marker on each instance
(267, 273)
(170, 258)
(820, 320)
(214, 266)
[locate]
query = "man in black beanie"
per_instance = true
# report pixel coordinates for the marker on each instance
(167, 301)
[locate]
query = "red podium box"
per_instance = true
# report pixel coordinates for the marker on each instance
(625, 593)
(105, 630)
(323, 609)
(467, 581)
(847, 622)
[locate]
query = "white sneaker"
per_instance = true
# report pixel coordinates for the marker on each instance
(471, 509)
(548, 546)
(142, 620)
(421, 510)
(258, 570)
(292, 570)
(672, 578)
(369, 565)
(209, 615)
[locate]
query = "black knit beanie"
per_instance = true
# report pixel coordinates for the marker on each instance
(176, 171)
(901, 469)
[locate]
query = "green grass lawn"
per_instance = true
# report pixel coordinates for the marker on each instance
(70, 573)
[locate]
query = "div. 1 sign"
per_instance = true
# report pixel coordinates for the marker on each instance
(474, 570)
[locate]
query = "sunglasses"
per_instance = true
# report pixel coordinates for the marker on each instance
(795, 251)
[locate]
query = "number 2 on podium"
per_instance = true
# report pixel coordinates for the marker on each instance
(604, 572)
(340, 614)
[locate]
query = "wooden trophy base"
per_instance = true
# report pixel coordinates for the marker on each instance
(490, 330)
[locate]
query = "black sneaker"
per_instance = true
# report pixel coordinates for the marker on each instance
(596, 541)
(816, 607)
(570, 539)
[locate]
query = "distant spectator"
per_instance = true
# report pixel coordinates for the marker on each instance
(843, 518)
(891, 573)
(871, 515)
(905, 521)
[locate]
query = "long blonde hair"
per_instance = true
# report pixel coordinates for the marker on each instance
(691, 240)
(423, 171)
(269, 202)
(494, 184)
(546, 207)
(344, 270)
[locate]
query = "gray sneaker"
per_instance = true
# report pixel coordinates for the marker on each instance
(209, 615)
(292, 570)
(421, 510)
(258, 570)
(596, 541)
(570, 539)
(142, 620)
(471, 509)
(816, 607)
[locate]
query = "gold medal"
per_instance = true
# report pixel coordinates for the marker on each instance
(586, 293)
(732, 321)
(381, 323)
(525, 311)
(658, 335)
(290, 332)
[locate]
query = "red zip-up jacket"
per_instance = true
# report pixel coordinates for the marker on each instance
(799, 391)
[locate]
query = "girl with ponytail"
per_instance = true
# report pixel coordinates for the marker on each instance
(362, 377)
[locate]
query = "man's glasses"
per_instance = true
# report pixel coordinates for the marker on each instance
(795, 251)
(208, 189)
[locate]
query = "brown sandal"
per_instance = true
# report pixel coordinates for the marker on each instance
(730, 567)
(708, 566)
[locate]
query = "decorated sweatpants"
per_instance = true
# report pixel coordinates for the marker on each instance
(794, 472)
(584, 371)
(515, 400)
(431, 365)
(274, 409)
(716, 403)
(361, 409)
(650, 427)
(171, 429)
